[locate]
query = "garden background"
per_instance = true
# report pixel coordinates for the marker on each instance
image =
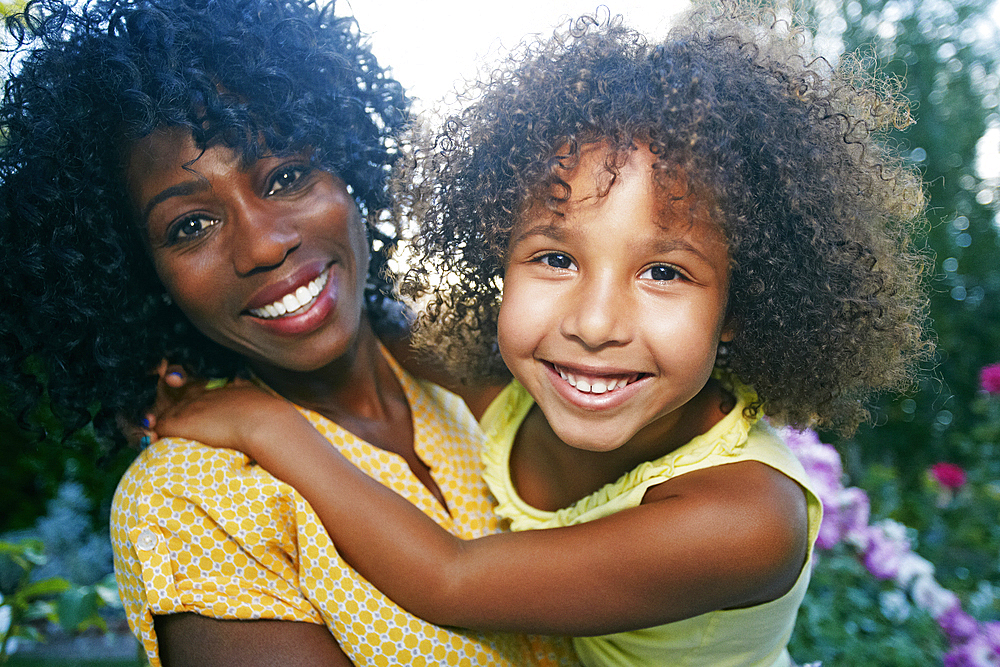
(903, 534)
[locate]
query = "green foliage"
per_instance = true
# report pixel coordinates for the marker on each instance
(39, 454)
(946, 53)
(27, 602)
(849, 618)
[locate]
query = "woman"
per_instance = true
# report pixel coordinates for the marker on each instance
(204, 181)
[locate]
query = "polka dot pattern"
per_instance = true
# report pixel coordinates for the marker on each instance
(203, 530)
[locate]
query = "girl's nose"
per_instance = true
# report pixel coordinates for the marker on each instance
(598, 315)
(262, 238)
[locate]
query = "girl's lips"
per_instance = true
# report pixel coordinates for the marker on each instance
(594, 391)
(306, 317)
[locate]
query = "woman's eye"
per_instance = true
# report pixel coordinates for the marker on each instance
(557, 260)
(661, 273)
(190, 227)
(287, 178)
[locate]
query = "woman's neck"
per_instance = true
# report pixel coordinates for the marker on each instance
(362, 395)
(358, 391)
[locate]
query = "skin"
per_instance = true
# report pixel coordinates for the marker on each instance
(725, 537)
(225, 239)
(611, 290)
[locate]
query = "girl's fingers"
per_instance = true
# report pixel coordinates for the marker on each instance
(175, 377)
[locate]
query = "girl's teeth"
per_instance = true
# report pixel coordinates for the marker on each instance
(598, 386)
(290, 303)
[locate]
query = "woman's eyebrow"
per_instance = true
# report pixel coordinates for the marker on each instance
(179, 190)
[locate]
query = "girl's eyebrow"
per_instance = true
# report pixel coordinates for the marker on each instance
(552, 230)
(665, 245)
(180, 190)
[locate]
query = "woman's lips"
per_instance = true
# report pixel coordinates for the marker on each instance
(299, 299)
(319, 296)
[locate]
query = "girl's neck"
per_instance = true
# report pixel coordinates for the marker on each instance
(550, 475)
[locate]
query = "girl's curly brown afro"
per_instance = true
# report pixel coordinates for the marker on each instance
(826, 286)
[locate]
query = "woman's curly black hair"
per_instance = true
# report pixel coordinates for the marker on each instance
(82, 307)
(820, 216)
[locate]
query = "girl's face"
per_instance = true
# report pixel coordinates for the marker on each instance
(612, 313)
(269, 260)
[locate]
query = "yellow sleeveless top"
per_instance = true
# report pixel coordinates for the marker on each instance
(755, 636)
(204, 530)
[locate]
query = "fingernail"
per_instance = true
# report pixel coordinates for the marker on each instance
(144, 442)
(145, 422)
(176, 374)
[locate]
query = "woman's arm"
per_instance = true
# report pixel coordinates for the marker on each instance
(190, 640)
(729, 536)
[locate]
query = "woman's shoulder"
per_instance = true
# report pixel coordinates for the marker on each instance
(175, 468)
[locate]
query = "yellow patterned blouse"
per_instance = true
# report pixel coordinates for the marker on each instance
(204, 530)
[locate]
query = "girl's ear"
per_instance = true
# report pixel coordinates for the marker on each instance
(728, 330)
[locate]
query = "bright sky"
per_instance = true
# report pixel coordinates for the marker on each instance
(431, 44)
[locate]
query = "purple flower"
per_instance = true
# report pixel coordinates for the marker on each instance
(844, 513)
(974, 653)
(989, 379)
(991, 632)
(820, 460)
(958, 625)
(884, 546)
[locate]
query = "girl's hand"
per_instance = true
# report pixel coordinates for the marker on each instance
(237, 415)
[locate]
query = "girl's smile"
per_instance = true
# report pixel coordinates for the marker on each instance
(613, 311)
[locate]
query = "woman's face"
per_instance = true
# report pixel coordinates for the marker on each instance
(268, 259)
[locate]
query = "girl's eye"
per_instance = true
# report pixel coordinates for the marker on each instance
(557, 260)
(286, 178)
(661, 273)
(190, 227)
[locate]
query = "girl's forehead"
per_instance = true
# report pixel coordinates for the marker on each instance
(598, 171)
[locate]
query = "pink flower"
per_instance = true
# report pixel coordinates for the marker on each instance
(948, 475)
(989, 379)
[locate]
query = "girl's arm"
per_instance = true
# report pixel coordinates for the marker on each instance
(729, 536)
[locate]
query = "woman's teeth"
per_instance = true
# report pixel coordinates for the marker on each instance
(294, 301)
(596, 385)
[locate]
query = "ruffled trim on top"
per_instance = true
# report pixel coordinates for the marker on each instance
(505, 415)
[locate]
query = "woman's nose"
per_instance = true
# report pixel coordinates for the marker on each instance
(597, 314)
(263, 236)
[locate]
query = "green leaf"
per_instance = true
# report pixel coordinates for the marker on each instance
(45, 587)
(77, 608)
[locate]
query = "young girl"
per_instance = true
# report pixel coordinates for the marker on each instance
(662, 243)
